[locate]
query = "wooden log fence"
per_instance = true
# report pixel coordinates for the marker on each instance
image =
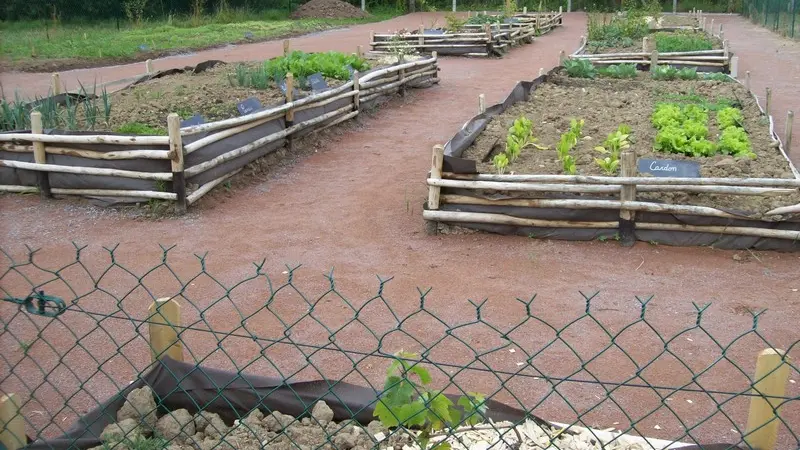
(172, 160)
(471, 39)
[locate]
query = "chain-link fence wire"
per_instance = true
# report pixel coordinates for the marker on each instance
(578, 365)
(780, 16)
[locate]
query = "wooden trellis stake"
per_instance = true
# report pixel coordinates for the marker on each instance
(165, 317)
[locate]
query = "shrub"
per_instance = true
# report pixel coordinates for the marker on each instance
(619, 71)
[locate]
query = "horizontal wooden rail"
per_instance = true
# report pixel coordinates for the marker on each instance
(87, 170)
(91, 139)
(588, 179)
(91, 154)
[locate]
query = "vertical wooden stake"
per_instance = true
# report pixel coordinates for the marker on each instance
(704, 24)
(562, 56)
(770, 378)
(56, 83)
(721, 34)
(372, 37)
(286, 47)
(401, 78)
(290, 113)
(360, 51)
(720, 30)
(434, 192)
(654, 61)
(12, 423)
(524, 10)
(541, 71)
(560, 9)
(481, 104)
(747, 80)
(644, 44)
(357, 89)
(176, 153)
(712, 26)
(165, 317)
(768, 103)
(148, 66)
(363, 5)
(488, 30)
(788, 142)
(40, 156)
(627, 223)
(725, 48)
(734, 67)
(421, 37)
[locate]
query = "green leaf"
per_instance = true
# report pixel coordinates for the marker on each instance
(422, 373)
(411, 414)
(383, 413)
(440, 406)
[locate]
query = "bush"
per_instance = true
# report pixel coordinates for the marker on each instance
(682, 41)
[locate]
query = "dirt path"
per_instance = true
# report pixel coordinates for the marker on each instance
(356, 206)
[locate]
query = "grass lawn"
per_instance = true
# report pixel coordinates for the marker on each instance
(35, 41)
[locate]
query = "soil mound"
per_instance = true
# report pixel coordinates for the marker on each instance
(328, 9)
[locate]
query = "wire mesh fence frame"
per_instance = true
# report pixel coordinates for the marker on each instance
(77, 325)
(777, 15)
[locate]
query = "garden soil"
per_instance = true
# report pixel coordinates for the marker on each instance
(605, 104)
(328, 9)
(356, 205)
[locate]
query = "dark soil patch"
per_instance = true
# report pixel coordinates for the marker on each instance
(328, 9)
(605, 104)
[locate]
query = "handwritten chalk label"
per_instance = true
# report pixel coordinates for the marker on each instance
(433, 31)
(669, 168)
(282, 87)
(511, 20)
(351, 70)
(317, 83)
(196, 119)
(248, 106)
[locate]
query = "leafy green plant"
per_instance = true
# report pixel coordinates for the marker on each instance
(580, 68)
(666, 114)
(734, 141)
(500, 163)
(665, 73)
(106, 106)
(454, 23)
(569, 139)
(71, 112)
(682, 41)
(619, 71)
(687, 73)
(568, 164)
(619, 30)
(406, 401)
(730, 117)
(301, 65)
(520, 136)
(608, 164)
(140, 129)
(480, 19)
(717, 76)
(13, 114)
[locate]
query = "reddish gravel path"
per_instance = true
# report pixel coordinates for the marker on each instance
(355, 205)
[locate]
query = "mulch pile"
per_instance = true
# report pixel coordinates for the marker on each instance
(328, 9)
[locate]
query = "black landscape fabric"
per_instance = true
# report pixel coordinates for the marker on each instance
(181, 385)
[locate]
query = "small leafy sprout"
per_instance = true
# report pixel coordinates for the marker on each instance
(612, 148)
(569, 165)
(687, 73)
(407, 402)
(580, 68)
(666, 73)
(608, 165)
(619, 71)
(716, 76)
(500, 162)
(730, 117)
(520, 136)
(567, 142)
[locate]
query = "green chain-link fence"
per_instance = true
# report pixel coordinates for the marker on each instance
(77, 333)
(780, 16)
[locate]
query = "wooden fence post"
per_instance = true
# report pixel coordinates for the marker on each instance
(165, 318)
(488, 30)
(747, 80)
(541, 71)
(290, 112)
(421, 37)
(286, 47)
(627, 217)
(481, 104)
(712, 26)
(12, 423)
(56, 83)
(176, 153)
(360, 51)
(434, 192)
(148, 66)
(357, 89)
(653, 61)
(788, 141)
(40, 156)
(734, 67)
(562, 56)
(644, 44)
(770, 378)
(768, 103)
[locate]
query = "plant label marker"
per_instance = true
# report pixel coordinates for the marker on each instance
(669, 168)
(248, 106)
(196, 119)
(318, 84)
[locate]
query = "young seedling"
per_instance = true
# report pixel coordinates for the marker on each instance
(500, 162)
(406, 401)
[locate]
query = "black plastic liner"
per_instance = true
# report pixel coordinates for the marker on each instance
(521, 92)
(179, 385)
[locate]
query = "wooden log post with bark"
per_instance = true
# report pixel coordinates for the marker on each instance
(627, 217)
(434, 192)
(177, 161)
(40, 156)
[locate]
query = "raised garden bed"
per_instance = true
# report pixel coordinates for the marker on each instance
(734, 200)
(679, 41)
(489, 35)
(185, 156)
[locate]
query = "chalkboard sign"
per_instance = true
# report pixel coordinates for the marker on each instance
(433, 31)
(248, 35)
(196, 119)
(317, 83)
(511, 20)
(248, 106)
(669, 168)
